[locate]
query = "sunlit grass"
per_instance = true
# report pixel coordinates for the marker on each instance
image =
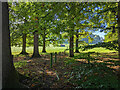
(17, 50)
(100, 50)
(89, 75)
(51, 49)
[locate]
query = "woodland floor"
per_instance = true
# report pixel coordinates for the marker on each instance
(40, 74)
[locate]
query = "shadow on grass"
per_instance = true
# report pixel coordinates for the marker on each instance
(99, 73)
(93, 75)
(35, 83)
(97, 57)
(82, 75)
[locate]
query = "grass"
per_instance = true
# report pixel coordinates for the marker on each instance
(100, 50)
(20, 64)
(17, 50)
(103, 52)
(96, 75)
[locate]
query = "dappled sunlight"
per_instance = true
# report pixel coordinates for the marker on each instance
(110, 62)
(99, 61)
(82, 60)
(29, 61)
(114, 67)
(47, 59)
(105, 59)
(51, 73)
(41, 73)
(61, 45)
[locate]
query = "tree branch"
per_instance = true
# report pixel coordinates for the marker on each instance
(106, 10)
(45, 15)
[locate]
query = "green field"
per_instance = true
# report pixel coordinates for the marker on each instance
(17, 50)
(50, 49)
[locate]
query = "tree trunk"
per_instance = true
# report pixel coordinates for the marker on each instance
(71, 46)
(44, 44)
(119, 29)
(77, 36)
(9, 74)
(24, 45)
(119, 39)
(36, 50)
(0, 46)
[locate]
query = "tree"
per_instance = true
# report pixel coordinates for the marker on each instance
(44, 22)
(35, 20)
(111, 15)
(77, 38)
(119, 29)
(24, 45)
(9, 74)
(71, 46)
(20, 20)
(71, 15)
(36, 49)
(24, 36)
(119, 36)
(45, 31)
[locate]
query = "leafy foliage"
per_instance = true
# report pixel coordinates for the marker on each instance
(108, 45)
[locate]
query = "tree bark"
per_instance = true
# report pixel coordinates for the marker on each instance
(119, 29)
(9, 74)
(44, 49)
(71, 46)
(119, 40)
(77, 36)
(24, 45)
(0, 46)
(36, 50)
